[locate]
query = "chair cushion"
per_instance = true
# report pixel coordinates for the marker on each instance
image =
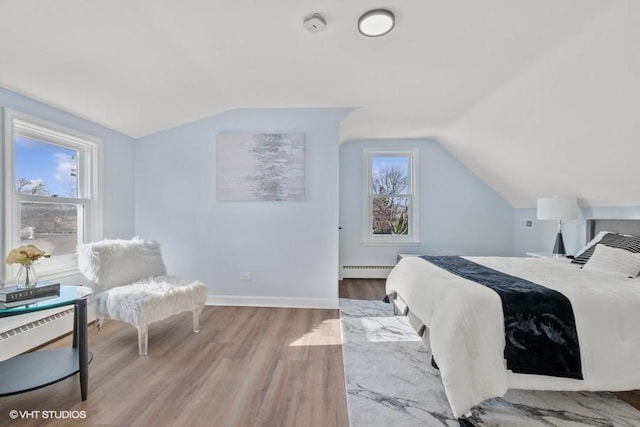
(114, 262)
(150, 299)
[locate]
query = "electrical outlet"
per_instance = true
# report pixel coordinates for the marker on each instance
(245, 276)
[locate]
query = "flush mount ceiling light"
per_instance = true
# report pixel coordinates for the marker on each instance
(376, 23)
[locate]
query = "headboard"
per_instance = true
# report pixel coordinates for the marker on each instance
(622, 226)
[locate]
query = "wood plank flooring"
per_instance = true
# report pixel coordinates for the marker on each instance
(369, 289)
(247, 367)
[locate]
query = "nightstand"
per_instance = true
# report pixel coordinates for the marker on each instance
(545, 255)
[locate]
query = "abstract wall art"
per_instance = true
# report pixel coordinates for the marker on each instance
(260, 166)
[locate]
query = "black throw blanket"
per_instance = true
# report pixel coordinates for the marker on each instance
(540, 329)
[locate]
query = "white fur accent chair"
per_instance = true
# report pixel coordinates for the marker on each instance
(129, 281)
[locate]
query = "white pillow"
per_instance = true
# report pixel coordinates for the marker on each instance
(614, 260)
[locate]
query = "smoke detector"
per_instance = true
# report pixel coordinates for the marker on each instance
(314, 23)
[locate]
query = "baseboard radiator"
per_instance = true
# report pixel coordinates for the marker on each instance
(365, 271)
(27, 336)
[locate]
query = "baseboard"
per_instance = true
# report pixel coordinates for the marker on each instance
(284, 302)
(365, 271)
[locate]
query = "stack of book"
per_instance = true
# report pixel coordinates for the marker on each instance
(12, 296)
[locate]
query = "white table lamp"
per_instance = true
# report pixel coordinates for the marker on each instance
(558, 209)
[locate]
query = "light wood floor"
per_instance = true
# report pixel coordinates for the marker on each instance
(247, 367)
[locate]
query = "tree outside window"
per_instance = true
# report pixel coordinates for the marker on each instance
(391, 202)
(390, 205)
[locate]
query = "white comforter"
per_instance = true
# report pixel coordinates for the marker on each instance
(466, 329)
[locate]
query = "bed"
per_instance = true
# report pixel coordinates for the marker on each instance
(463, 322)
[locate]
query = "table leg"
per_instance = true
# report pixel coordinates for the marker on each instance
(75, 327)
(83, 346)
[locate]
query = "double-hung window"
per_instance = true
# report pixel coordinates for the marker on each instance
(51, 191)
(391, 197)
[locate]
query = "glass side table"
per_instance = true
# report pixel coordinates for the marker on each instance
(41, 368)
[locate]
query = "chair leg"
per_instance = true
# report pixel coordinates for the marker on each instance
(143, 337)
(196, 319)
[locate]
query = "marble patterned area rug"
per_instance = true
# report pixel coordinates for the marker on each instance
(390, 382)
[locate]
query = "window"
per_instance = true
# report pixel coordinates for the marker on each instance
(391, 200)
(51, 191)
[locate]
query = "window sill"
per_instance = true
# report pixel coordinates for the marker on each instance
(59, 274)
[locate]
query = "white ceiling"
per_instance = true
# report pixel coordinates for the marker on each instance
(536, 97)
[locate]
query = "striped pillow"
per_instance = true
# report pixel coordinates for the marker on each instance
(589, 246)
(613, 240)
(614, 260)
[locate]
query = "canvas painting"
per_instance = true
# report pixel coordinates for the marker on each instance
(259, 166)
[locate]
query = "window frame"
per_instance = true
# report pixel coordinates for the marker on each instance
(89, 171)
(413, 236)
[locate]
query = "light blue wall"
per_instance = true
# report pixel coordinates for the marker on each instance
(290, 248)
(163, 187)
(459, 213)
(542, 237)
(118, 160)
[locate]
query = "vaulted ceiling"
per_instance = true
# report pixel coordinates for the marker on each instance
(536, 97)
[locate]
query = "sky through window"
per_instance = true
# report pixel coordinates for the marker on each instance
(51, 165)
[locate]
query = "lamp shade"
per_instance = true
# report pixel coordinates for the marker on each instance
(557, 208)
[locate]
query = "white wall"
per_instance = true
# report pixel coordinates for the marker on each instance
(290, 248)
(542, 237)
(566, 124)
(459, 214)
